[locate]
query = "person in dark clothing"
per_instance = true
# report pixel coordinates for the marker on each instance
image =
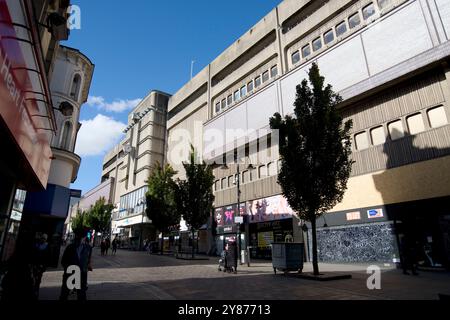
(103, 247)
(41, 260)
(79, 254)
(107, 245)
(18, 282)
(115, 242)
(409, 256)
(232, 256)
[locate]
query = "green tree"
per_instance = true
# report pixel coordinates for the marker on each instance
(315, 149)
(99, 216)
(79, 223)
(194, 196)
(160, 198)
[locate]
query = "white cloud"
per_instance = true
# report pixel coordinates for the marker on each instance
(98, 135)
(115, 106)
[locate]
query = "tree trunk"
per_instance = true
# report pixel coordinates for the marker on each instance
(314, 246)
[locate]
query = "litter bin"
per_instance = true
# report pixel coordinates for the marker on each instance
(287, 256)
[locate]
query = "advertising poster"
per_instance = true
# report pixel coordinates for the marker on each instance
(228, 215)
(269, 209)
(218, 215)
(265, 239)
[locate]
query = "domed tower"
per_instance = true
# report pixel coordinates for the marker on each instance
(70, 85)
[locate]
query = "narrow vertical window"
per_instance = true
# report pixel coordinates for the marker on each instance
(66, 136)
(306, 51)
(75, 89)
(265, 76)
(341, 28)
(354, 20)
(295, 57)
(250, 87)
(274, 71)
(257, 81)
(368, 11)
(229, 100)
(328, 36)
(317, 44)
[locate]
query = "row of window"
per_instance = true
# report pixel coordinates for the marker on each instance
(247, 176)
(246, 89)
(132, 203)
(339, 30)
(436, 117)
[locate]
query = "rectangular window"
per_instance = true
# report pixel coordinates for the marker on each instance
(257, 81)
(354, 20)
(243, 91)
(383, 3)
(361, 141)
(341, 28)
(265, 76)
(253, 174)
(246, 176)
(216, 185)
(378, 136)
(396, 130)
(224, 183)
(230, 181)
(437, 117)
(368, 11)
(250, 87)
(272, 169)
(317, 44)
(229, 100)
(262, 172)
(295, 57)
(224, 104)
(217, 107)
(415, 123)
(306, 51)
(328, 36)
(236, 96)
(274, 71)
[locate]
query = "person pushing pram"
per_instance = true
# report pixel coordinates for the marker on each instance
(228, 258)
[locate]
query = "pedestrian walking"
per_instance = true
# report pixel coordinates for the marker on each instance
(103, 247)
(409, 256)
(107, 245)
(78, 254)
(115, 243)
(40, 261)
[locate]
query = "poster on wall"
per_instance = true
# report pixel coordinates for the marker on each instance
(265, 239)
(218, 216)
(269, 209)
(375, 213)
(228, 215)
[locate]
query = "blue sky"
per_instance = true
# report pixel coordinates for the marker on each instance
(140, 45)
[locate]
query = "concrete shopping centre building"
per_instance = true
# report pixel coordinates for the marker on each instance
(388, 59)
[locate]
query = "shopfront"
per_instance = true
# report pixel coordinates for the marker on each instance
(26, 116)
(263, 221)
(263, 234)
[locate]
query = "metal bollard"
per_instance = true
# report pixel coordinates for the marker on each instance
(248, 256)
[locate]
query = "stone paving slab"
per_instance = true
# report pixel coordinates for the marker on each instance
(139, 276)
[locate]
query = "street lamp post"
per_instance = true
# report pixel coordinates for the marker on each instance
(238, 186)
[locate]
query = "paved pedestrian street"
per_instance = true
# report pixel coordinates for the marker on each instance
(141, 276)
